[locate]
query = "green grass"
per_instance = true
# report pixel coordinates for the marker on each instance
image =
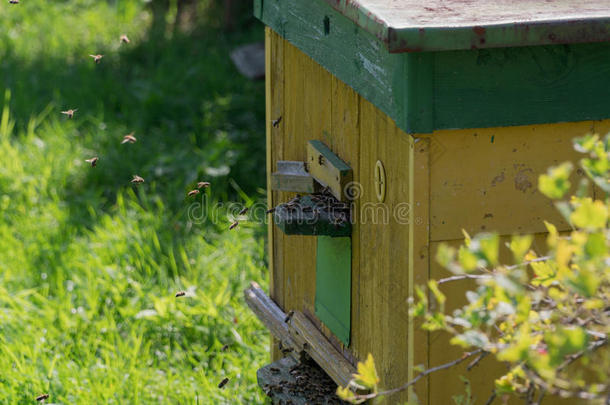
(89, 264)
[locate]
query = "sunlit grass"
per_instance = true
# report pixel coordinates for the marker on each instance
(89, 264)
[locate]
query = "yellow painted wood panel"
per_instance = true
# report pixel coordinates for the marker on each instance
(382, 323)
(419, 264)
(486, 179)
(274, 92)
(307, 97)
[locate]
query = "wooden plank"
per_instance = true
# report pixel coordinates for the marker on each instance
(270, 314)
(274, 94)
(298, 333)
(497, 189)
(419, 259)
(437, 25)
(328, 169)
(304, 332)
(307, 116)
(384, 278)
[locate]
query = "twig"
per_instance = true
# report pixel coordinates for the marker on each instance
(421, 375)
(491, 398)
(541, 397)
(484, 276)
(476, 361)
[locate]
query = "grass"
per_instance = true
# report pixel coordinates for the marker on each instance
(89, 264)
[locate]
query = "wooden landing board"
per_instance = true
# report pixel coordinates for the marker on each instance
(415, 25)
(298, 334)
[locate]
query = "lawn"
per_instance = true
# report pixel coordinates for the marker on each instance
(89, 262)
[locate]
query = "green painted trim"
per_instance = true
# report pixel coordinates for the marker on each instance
(424, 92)
(334, 285)
(442, 38)
(521, 86)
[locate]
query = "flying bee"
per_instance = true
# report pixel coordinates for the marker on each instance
(234, 225)
(244, 211)
(137, 179)
(97, 58)
(42, 397)
(276, 122)
(124, 39)
(193, 192)
(288, 317)
(203, 184)
(180, 294)
(13, 1)
(129, 138)
(223, 382)
(92, 161)
(270, 211)
(69, 113)
(224, 348)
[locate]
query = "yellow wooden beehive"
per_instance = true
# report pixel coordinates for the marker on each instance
(446, 112)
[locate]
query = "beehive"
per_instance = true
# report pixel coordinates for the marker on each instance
(446, 112)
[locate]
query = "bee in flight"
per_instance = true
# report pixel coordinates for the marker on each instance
(137, 179)
(244, 211)
(203, 184)
(129, 138)
(276, 122)
(223, 382)
(234, 225)
(193, 192)
(124, 39)
(13, 1)
(92, 161)
(97, 58)
(69, 113)
(42, 397)
(180, 294)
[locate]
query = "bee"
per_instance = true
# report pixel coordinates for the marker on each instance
(180, 294)
(270, 210)
(276, 122)
(203, 184)
(97, 58)
(41, 397)
(288, 317)
(244, 211)
(224, 348)
(274, 370)
(13, 1)
(137, 179)
(124, 39)
(223, 382)
(92, 161)
(234, 225)
(193, 192)
(129, 138)
(70, 113)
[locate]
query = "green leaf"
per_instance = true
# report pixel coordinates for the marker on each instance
(468, 260)
(556, 182)
(367, 374)
(590, 214)
(519, 245)
(564, 342)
